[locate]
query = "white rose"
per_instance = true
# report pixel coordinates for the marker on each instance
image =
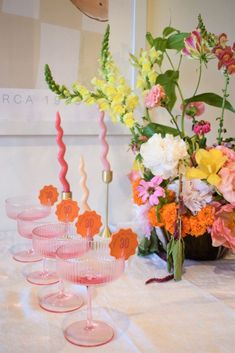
(162, 155)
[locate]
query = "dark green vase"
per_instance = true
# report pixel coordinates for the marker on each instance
(201, 248)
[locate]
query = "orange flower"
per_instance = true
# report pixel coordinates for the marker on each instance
(67, 210)
(152, 217)
(197, 228)
(135, 194)
(88, 224)
(170, 195)
(186, 226)
(48, 195)
(207, 215)
(168, 216)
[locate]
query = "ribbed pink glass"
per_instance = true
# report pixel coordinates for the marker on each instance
(15, 205)
(88, 263)
(46, 240)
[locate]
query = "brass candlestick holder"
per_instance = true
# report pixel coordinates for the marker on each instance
(66, 195)
(107, 177)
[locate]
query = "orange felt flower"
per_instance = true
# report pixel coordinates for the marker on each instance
(67, 210)
(88, 224)
(135, 194)
(48, 195)
(123, 243)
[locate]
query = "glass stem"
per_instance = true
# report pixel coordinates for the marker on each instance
(61, 287)
(44, 267)
(89, 324)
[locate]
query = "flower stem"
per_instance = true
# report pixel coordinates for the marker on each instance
(199, 78)
(221, 119)
(175, 122)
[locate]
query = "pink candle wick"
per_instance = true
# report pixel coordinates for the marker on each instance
(104, 143)
(61, 153)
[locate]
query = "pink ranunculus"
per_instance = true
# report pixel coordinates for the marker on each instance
(194, 109)
(151, 191)
(227, 184)
(154, 97)
(202, 127)
(223, 229)
(228, 152)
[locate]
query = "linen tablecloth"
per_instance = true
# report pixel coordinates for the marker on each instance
(195, 315)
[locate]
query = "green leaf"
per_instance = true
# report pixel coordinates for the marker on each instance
(134, 59)
(160, 44)
(149, 39)
(168, 30)
(178, 258)
(176, 41)
(168, 80)
(153, 128)
(211, 99)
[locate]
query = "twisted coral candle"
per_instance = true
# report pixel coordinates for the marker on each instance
(84, 188)
(62, 149)
(104, 143)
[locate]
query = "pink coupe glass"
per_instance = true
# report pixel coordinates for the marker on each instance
(47, 239)
(90, 268)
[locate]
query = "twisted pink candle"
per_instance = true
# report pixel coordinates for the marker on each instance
(62, 148)
(104, 143)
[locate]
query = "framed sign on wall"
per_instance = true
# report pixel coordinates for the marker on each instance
(36, 32)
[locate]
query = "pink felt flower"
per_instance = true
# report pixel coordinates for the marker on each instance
(154, 97)
(223, 229)
(202, 127)
(194, 109)
(151, 191)
(227, 184)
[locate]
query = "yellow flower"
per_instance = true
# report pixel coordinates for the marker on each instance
(131, 102)
(140, 83)
(97, 83)
(89, 100)
(129, 120)
(110, 91)
(146, 67)
(117, 109)
(103, 104)
(209, 163)
(118, 98)
(154, 54)
(152, 77)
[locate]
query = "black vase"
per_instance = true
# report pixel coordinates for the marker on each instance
(200, 248)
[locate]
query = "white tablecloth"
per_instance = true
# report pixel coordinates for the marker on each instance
(195, 315)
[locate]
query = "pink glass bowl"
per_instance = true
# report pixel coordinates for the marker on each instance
(88, 263)
(30, 219)
(16, 205)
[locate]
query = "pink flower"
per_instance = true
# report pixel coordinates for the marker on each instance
(228, 152)
(202, 127)
(150, 190)
(194, 109)
(195, 46)
(231, 66)
(154, 97)
(227, 184)
(223, 229)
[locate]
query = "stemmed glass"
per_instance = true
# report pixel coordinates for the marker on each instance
(16, 206)
(47, 239)
(90, 268)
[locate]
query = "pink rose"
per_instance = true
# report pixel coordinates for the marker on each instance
(227, 184)
(154, 97)
(194, 109)
(223, 229)
(228, 152)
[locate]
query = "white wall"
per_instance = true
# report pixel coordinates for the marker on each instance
(218, 17)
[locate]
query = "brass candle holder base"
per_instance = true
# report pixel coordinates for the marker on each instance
(107, 177)
(66, 195)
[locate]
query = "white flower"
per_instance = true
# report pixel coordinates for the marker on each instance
(162, 155)
(196, 193)
(141, 219)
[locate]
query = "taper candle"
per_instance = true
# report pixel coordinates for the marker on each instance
(104, 143)
(62, 149)
(84, 188)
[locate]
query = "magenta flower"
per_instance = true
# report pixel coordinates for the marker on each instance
(151, 191)
(202, 127)
(195, 46)
(154, 97)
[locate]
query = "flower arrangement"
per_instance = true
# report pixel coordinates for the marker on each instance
(181, 185)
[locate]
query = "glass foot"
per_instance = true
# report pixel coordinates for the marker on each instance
(26, 256)
(60, 302)
(42, 278)
(78, 333)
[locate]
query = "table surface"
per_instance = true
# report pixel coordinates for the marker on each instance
(195, 315)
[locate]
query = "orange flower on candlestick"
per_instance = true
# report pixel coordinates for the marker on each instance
(48, 195)
(88, 224)
(67, 210)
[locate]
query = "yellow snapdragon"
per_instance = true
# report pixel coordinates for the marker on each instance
(103, 104)
(129, 120)
(131, 102)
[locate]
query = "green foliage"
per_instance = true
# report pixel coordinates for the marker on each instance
(176, 41)
(169, 81)
(211, 99)
(175, 257)
(169, 30)
(153, 128)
